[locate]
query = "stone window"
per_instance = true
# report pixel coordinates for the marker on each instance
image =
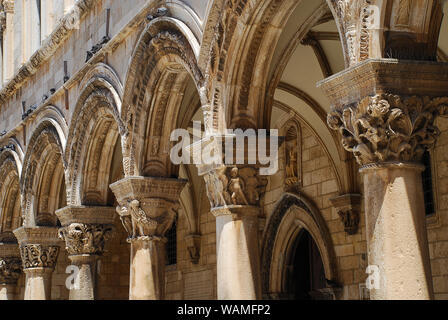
(171, 245)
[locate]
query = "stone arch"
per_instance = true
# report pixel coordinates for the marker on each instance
(388, 28)
(42, 179)
(164, 59)
(240, 50)
(292, 214)
(95, 128)
(10, 215)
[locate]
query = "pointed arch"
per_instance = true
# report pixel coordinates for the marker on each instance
(293, 213)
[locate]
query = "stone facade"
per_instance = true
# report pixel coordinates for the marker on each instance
(91, 90)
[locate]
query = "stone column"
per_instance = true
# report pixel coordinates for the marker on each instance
(10, 270)
(85, 231)
(385, 112)
(39, 248)
(147, 210)
(234, 194)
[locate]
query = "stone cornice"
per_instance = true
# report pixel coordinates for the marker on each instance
(51, 44)
(378, 76)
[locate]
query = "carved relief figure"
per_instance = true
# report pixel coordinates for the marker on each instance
(140, 221)
(236, 187)
(125, 217)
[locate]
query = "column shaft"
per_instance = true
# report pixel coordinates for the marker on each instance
(84, 286)
(147, 270)
(396, 232)
(7, 291)
(38, 284)
(238, 266)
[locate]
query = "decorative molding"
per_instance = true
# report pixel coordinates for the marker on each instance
(389, 128)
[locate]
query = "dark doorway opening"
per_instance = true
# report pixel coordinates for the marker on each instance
(307, 276)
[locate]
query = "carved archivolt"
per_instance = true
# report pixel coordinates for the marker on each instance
(43, 153)
(353, 18)
(96, 120)
(162, 46)
(389, 128)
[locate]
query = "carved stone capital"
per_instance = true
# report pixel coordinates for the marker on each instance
(39, 246)
(10, 263)
(39, 256)
(85, 230)
(385, 108)
(147, 220)
(81, 239)
(234, 186)
(389, 128)
(147, 206)
(348, 208)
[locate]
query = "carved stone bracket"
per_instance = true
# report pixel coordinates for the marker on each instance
(86, 229)
(10, 263)
(147, 206)
(193, 242)
(348, 208)
(39, 247)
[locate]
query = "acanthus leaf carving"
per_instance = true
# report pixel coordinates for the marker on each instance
(388, 128)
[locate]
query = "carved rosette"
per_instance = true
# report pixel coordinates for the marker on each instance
(39, 256)
(89, 239)
(10, 270)
(389, 128)
(234, 186)
(148, 219)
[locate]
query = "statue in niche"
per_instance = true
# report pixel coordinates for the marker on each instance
(403, 12)
(291, 162)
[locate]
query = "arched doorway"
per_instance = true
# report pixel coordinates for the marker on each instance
(305, 276)
(298, 261)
